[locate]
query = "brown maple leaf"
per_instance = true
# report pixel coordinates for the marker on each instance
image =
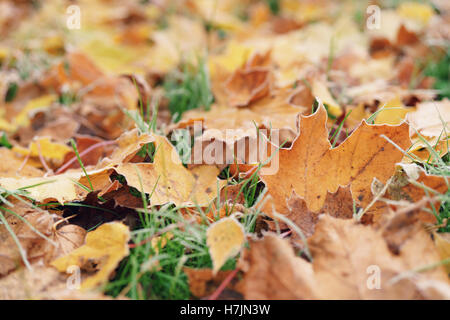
(311, 168)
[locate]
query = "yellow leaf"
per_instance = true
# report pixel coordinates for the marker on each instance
(442, 242)
(106, 246)
(224, 239)
(167, 180)
(45, 147)
(113, 57)
(233, 58)
(54, 44)
(61, 187)
(321, 91)
(161, 241)
(22, 119)
(414, 10)
(393, 112)
(128, 144)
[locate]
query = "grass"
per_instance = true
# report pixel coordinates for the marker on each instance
(163, 277)
(274, 6)
(188, 89)
(444, 210)
(437, 165)
(440, 70)
(157, 272)
(75, 149)
(4, 142)
(11, 92)
(151, 272)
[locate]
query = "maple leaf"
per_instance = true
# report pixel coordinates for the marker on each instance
(311, 168)
(339, 205)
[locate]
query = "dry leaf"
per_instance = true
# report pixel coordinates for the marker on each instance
(413, 184)
(67, 238)
(350, 261)
(167, 180)
(224, 239)
(430, 118)
(311, 168)
(35, 246)
(338, 205)
(442, 242)
(248, 85)
(42, 283)
(105, 247)
(13, 166)
(62, 187)
(346, 255)
(272, 271)
(202, 282)
(129, 143)
(53, 152)
(274, 111)
(393, 112)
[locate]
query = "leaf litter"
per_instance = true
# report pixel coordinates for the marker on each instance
(100, 199)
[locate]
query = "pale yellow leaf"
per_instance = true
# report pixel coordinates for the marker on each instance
(106, 246)
(224, 239)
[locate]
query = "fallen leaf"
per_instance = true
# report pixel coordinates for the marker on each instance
(38, 103)
(224, 239)
(311, 168)
(14, 167)
(393, 112)
(62, 187)
(167, 180)
(413, 184)
(339, 205)
(320, 90)
(51, 151)
(33, 235)
(349, 261)
(43, 283)
(272, 271)
(344, 251)
(128, 144)
(67, 238)
(248, 85)
(442, 242)
(430, 118)
(418, 11)
(202, 282)
(105, 247)
(431, 121)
